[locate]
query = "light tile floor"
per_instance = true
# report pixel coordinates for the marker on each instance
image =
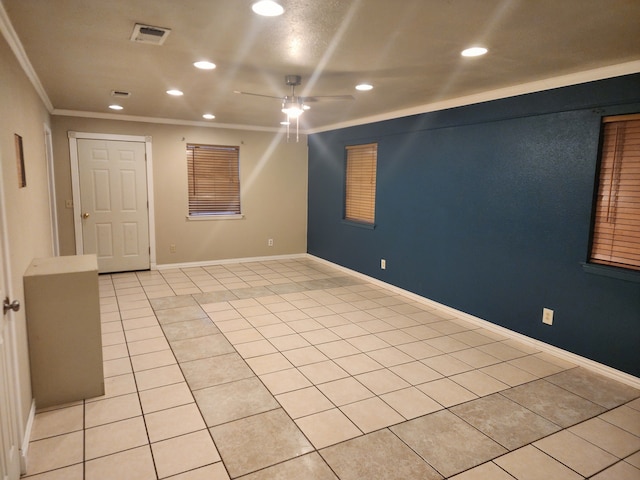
(294, 370)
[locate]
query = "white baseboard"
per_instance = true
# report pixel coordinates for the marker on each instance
(542, 346)
(24, 450)
(209, 263)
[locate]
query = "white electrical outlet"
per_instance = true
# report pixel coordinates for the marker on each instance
(547, 316)
(270, 242)
(172, 248)
(383, 264)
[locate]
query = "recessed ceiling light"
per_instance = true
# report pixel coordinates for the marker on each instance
(204, 65)
(267, 8)
(208, 116)
(175, 93)
(116, 107)
(474, 52)
(364, 87)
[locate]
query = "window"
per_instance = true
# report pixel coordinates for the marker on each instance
(214, 180)
(360, 197)
(616, 229)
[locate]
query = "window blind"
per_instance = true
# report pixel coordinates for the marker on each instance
(616, 231)
(360, 198)
(214, 180)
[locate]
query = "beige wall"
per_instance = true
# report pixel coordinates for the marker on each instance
(28, 215)
(273, 182)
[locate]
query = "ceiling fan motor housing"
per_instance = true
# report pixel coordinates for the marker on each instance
(293, 80)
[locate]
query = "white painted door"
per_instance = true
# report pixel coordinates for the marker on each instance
(113, 197)
(9, 443)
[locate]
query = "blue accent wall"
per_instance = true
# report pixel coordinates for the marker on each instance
(487, 209)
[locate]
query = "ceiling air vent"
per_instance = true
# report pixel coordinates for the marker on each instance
(148, 34)
(120, 94)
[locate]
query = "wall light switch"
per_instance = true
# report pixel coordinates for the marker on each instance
(383, 264)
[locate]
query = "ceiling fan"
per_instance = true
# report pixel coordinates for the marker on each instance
(295, 105)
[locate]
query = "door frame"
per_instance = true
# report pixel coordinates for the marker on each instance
(75, 185)
(51, 182)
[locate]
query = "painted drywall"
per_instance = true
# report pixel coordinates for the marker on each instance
(273, 179)
(487, 209)
(27, 209)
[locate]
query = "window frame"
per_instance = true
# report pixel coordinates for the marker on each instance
(610, 162)
(209, 211)
(360, 154)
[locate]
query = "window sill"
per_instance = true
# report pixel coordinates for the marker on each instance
(366, 226)
(202, 218)
(612, 272)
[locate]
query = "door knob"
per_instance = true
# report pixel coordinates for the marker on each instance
(6, 305)
(85, 215)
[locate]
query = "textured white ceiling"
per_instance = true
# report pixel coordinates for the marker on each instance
(408, 49)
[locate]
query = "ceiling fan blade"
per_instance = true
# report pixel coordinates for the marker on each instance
(324, 98)
(256, 94)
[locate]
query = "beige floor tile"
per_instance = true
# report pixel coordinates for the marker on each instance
(142, 322)
(634, 459)
(112, 410)
(158, 377)
(115, 437)
(304, 356)
(112, 352)
(230, 324)
(371, 414)
(446, 392)
(306, 401)
(446, 344)
(337, 349)
(359, 363)
(113, 338)
(415, 372)
(134, 464)
(447, 365)
(269, 363)
(504, 421)
(344, 391)
(474, 357)
(310, 466)
(322, 372)
(529, 463)
(165, 397)
(118, 366)
(255, 349)
(259, 441)
(609, 437)
(419, 350)
(319, 337)
(479, 383)
(473, 338)
(210, 472)
(174, 422)
(576, 453)
(411, 402)
(120, 385)
(57, 422)
(508, 374)
(381, 381)
(147, 361)
(377, 456)
(234, 400)
(184, 453)
(289, 342)
(390, 356)
(284, 381)
(327, 428)
(74, 472)
(189, 329)
(553, 403)
(367, 343)
(619, 471)
(211, 371)
(55, 452)
(448, 443)
(201, 347)
(149, 345)
(421, 332)
(485, 471)
(625, 418)
(535, 366)
(502, 351)
(594, 387)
